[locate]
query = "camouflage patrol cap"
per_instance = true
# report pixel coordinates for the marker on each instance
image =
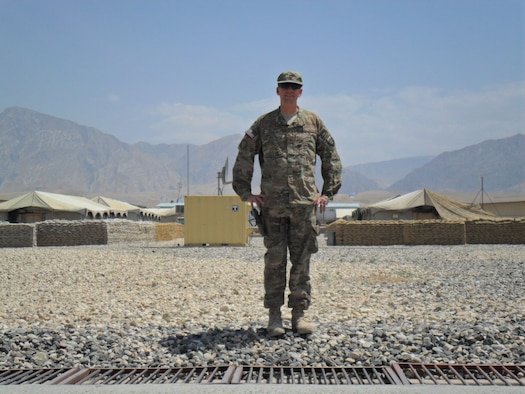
(290, 77)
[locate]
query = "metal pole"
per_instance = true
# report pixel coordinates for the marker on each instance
(482, 192)
(187, 170)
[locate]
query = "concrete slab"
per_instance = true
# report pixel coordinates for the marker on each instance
(254, 389)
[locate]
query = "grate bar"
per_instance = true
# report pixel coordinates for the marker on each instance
(232, 375)
(178, 375)
(470, 375)
(390, 371)
(130, 375)
(367, 376)
(161, 377)
(74, 378)
(11, 379)
(441, 373)
(505, 381)
(138, 377)
(63, 377)
(520, 371)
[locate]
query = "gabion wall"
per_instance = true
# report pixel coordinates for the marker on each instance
(500, 232)
(86, 232)
(426, 232)
(122, 231)
(168, 231)
(341, 232)
(16, 235)
(71, 233)
(382, 232)
(434, 232)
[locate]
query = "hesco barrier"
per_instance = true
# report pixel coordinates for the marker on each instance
(341, 232)
(17, 235)
(124, 231)
(434, 232)
(498, 232)
(71, 233)
(426, 232)
(86, 232)
(397, 374)
(168, 231)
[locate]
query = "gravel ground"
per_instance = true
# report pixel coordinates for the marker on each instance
(160, 305)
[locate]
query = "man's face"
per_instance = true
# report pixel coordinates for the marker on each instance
(289, 91)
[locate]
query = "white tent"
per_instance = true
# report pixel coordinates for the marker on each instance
(38, 201)
(117, 208)
(160, 214)
(400, 207)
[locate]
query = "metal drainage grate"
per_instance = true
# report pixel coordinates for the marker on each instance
(462, 374)
(112, 376)
(29, 376)
(397, 374)
(316, 375)
(218, 374)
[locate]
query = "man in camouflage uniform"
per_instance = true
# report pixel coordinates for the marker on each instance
(287, 141)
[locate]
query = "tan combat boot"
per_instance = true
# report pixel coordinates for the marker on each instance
(275, 323)
(299, 324)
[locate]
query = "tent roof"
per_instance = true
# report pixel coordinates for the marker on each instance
(401, 203)
(53, 202)
(446, 208)
(115, 205)
(158, 212)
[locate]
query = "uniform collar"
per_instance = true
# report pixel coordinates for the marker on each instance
(298, 120)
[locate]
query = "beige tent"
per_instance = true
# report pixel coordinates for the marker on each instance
(160, 214)
(118, 208)
(37, 205)
(423, 204)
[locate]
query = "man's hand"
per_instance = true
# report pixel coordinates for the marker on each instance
(320, 202)
(257, 199)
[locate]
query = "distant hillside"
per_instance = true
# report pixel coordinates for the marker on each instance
(500, 162)
(354, 183)
(42, 152)
(385, 173)
(205, 161)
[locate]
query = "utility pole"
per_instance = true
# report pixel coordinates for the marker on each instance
(482, 192)
(219, 190)
(187, 170)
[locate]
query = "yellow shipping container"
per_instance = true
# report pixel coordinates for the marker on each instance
(215, 221)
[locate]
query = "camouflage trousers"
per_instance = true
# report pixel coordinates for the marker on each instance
(293, 230)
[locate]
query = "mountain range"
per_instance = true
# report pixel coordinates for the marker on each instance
(42, 152)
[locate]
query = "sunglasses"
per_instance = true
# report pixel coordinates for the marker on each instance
(289, 85)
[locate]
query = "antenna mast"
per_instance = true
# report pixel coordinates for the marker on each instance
(188, 169)
(482, 193)
(481, 176)
(221, 177)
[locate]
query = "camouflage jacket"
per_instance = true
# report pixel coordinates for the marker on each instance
(287, 156)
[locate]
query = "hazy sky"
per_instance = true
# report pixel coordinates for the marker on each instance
(390, 78)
